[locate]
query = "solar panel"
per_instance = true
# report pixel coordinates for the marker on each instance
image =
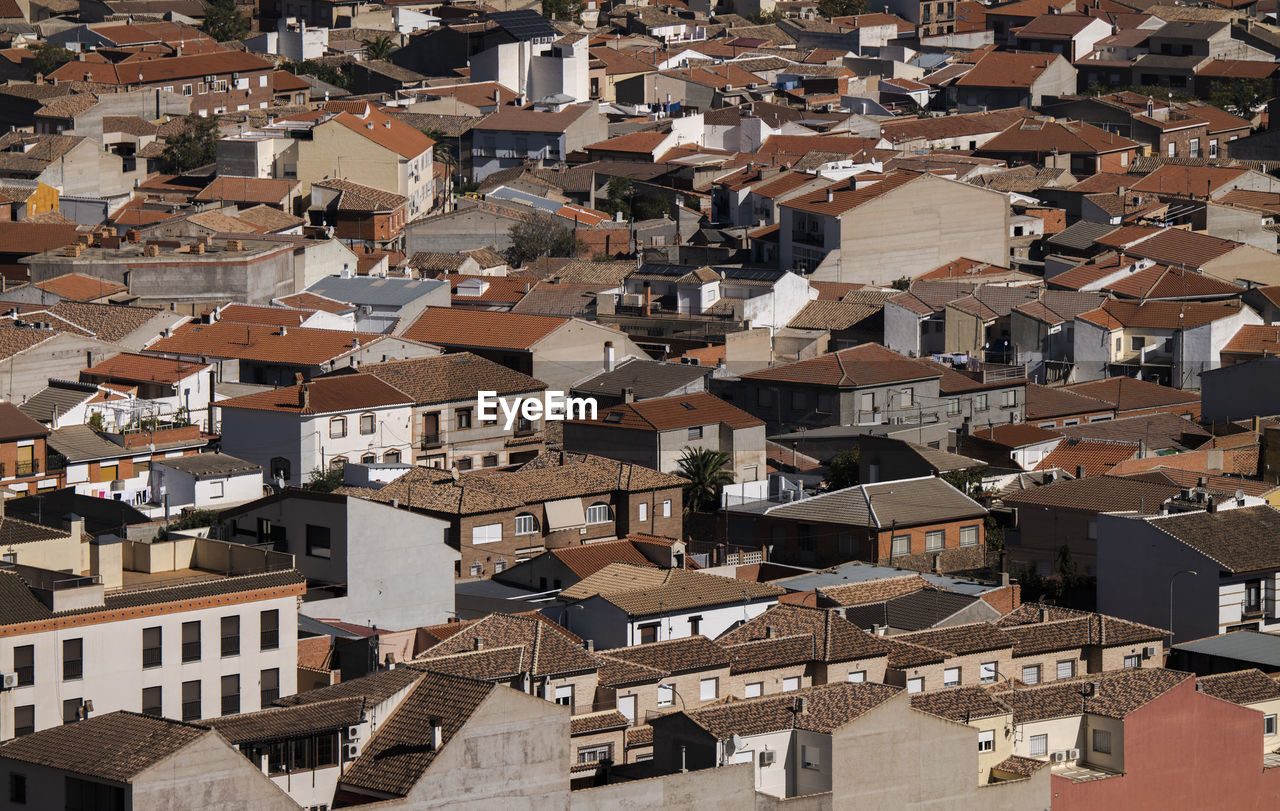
(525, 24)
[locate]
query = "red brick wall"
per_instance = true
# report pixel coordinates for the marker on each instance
(1055, 219)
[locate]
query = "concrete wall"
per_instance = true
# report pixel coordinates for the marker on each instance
(730, 786)
(1241, 391)
(576, 351)
(27, 373)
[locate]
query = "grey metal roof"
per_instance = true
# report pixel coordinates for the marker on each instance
(911, 612)
(1081, 235)
(57, 399)
(1246, 646)
(861, 572)
(209, 465)
(645, 378)
(376, 292)
(80, 443)
(906, 502)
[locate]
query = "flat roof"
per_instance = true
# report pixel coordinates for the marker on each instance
(863, 572)
(1246, 646)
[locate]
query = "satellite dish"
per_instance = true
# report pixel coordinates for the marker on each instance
(1239, 495)
(735, 743)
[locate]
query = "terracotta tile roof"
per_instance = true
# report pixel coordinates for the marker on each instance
(962, 704)
(268, 218)
(487, 664)
(1161, 282)
(587, 559)
(864, 365)
(457, 327)
(671, 413)
(393, 761)
(1160, 431)
(517, 119)
(616, 672)
(1118, 693)
(1040, 136)
(594, 722)
(1054, 26)
(1224, 485)
(1188, 180)
(874, 591)
(1174, 246)
(639, 736)
(834, 638)
(116, 747)
(1096, 457)
(1017, 764)
(79, 287)
(767, 654)
(1044, 403)
(1237, 69)
(248, 190)
(265, 316)
(374, 689)
(1241, 687)
(960, 639)
(845, 199)
(300, 346)
(1130, 394)
(358, 197)
(1039, 628)
(827, 708)
(15, 425)
(545, 648)
(1239, 540)
(283, 723)
(683, 655)
(1016, 435)
(1005, 69)
(387, 132)
(133, 368)
(1255, 339)
(840, 315)
(149, 71)
(636, 142)
(327, 395)
(455, 377)
(1158, 314)
(647, 590)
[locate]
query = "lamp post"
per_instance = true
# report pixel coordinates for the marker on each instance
(670, 686)
(1171, 579)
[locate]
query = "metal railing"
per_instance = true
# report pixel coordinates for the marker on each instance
(152, 657)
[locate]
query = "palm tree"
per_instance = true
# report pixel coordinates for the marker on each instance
(705, 470)
(380, 47)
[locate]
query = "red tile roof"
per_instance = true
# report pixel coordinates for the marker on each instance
(80, 287)
(1016, 435)
(1005, 69)
(387, 132)
(1187, 180)
(1255, 339)
(144, 369)
(300, 346)
(843, 198)
(863, 365)
(168, 68)
(1040, 136)
(671, 413)
(1096, 457)
(324, 395)
(482, 328)
(1158, 314)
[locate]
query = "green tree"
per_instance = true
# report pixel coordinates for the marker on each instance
(50, 57)
(195, 146)
(223, 21)
(902, 284)
(324, 481)
(326, 73)
(766, 17)
(1240, 96)
(562, 9)
(841, 8)
(967, 480)
(543, 235)
(842, 470)
(380, 47)
(446, 149)
(705, 470)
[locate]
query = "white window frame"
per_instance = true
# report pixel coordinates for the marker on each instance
(1039, 745)
(935, 540)
(1269, 725)
(642, 512)
(593, 513)
(666, 696)
(790, 684)
(970, 533)
(915, 685)
(708, 689)
(1133, 660)
(217, 489)
(666, 508)
(526, 524)
(897, 544)
(486, 533)
(856, 676)
(951, 677)
(988, 673)
(986, 740)
(753, 689)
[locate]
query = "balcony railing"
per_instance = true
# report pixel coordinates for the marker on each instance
(26, 468)
(808, 237)
(152, 657)
(431, 441)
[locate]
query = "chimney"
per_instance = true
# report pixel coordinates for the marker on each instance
(235, 245)
(608, 356)
(197, 248)
(831, 196)
(151, 250)
(284, 331)
(131, 235)
(479, 643)
(72, 250)
(802, 705)
(106, 558)
(770, 632)
(589, 644)
(1212, 506)
(1079, 471)
(437, 731)
(628, 395)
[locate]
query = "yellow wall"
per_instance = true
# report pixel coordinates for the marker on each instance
(44, 199)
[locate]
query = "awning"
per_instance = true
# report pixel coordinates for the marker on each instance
(566, 513)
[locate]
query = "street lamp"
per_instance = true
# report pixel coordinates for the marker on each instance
(670, 686)
(1171, 579)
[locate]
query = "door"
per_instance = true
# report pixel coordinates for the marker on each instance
(430, 429)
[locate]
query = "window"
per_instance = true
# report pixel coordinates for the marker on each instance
(666, 508)
(217, 489)
(151, 701)
(804, 537)
(933, 540)
(810, 757)
(799, 401)
(1133, 661)
(526, 524)
(908, 398)
(280, 468)
(1102, 741)
(564, 695)
(987, 672)
(391, 457)
(1173, 150)
(1137, 343)
(462, 418)
(826, 403)
(368, 459)
(1039, 745)
(1091, 530)
(231, 636)
(1253, 595)
(72, 659)
(953, 407)
(337, 427)
(1269, 725)
(666, 696)
(71, 710)
(24, 664)
(1067, 668)
(318, 543)
(24, 720)
(269, 686)
(86, 794)
(642, 512)
(108, 473)
(152, 655)
(595, 754)
(695, 432)
(463, 462)
(986, 740)
(901, 545)
(191, 701)
(337, 463)
(1213, 147)
(648, 633)
(599, 513)
(1119, 344)
(489, 460)
(1031, 674)
(1008, 399)
(269, 630)
(980, 402)
(951, 677)
(915, 685)
(186, 90)
(17, 788)
(969, 535)
(191, 641)
(486, 533)
(1195, 147)
(790, 683)
(708, 689)
(857, 676)
(754, 689)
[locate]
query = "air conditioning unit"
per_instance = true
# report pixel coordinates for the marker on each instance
(353, 733)
(766, 757)
(632, 300)
(1149, 652)
(351, 751)
(1073, 754)
(1059, 757)
(10, 681)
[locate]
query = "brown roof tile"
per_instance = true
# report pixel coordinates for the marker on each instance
(283, 723)
(835, 639)
(647, 590)
(683, 655)
(864, 365)
(826, 708)
(1239, 540)
(323, 396)
(451, 378)
(300, 346)
(1096, 457)
(545, 651)
(479, 328)
(1118, 693)
(960, 639)
(1240, 687)
(962, 704)
(670, 413)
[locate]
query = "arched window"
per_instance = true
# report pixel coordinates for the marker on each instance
(391, 456)
(599, 513)
(369, 459)
(338, 462)
(526, 524)
(368, 424)
(337, 427)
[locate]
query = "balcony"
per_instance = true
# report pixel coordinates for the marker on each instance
(430, 441)
(808, 238)
(29, 467)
